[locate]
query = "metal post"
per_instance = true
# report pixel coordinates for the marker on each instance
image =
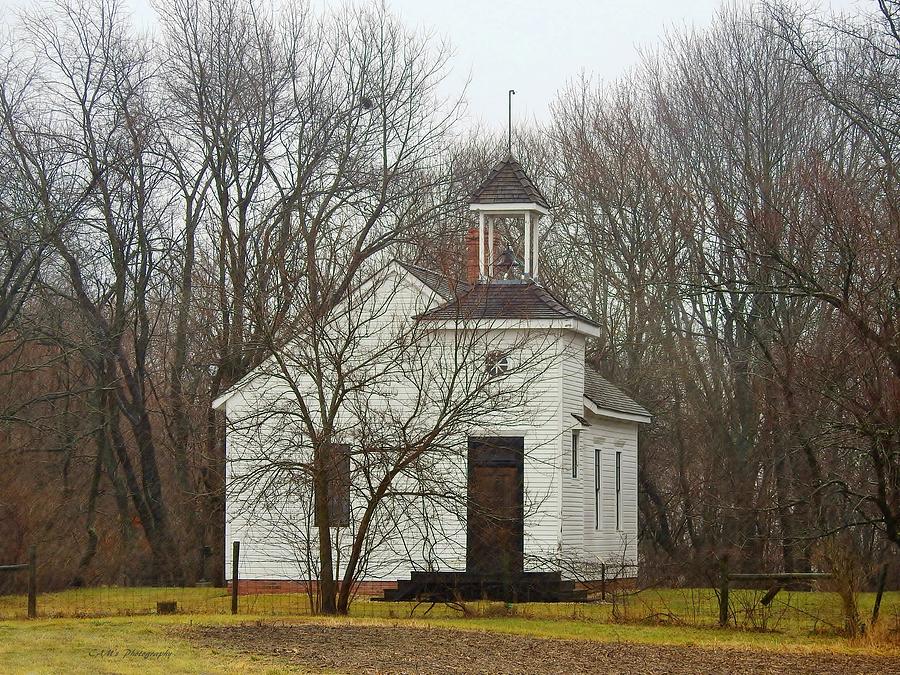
(509, 128)
(32, 582)
(235, 555)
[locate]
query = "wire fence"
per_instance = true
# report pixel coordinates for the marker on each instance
(818, 610)
(794, 612)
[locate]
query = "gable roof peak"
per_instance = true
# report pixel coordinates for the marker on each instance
(507, 183)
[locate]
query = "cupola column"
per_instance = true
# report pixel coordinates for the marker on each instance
(482, 272)
(491, 253)
(527, 231)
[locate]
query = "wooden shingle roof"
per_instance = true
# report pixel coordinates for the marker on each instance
(504, 300)
(442, 285)
(604, 394)
(507, 183)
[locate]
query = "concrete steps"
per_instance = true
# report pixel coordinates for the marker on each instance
(450, 586)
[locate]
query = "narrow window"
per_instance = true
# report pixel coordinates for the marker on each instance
(597, 489)
(574, 454)
(336, 467)
(618, 490)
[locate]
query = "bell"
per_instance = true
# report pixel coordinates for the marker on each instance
(508, 266)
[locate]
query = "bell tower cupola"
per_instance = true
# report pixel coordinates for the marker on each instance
(507, 197)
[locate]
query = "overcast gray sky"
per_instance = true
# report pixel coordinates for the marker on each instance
(535, 46)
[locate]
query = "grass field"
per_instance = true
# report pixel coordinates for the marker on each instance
(130, 638)
(151, 644)
(144, 645)
(795, 613)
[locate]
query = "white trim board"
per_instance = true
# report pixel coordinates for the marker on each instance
(594, 409)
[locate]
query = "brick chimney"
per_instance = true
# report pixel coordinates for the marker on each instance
(472, 267)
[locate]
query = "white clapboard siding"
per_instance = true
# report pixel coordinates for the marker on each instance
(608, 544)
(270, 521)
(572, 540)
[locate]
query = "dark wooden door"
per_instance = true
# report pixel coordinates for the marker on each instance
(496, 514)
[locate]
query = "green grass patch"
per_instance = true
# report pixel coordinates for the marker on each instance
(153, 644)
(136, 645)
(796, 620)
(800, 611)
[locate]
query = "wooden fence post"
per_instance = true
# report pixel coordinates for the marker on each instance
(723, 593)
(235, 554)
(32, 582)
(603, 581)
(882, 578)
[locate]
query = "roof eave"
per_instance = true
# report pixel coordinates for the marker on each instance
(507, 207)
(471, 323)
(220, 401)
(601, 411)
(587, 328)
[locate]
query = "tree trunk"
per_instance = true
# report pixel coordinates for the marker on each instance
(327, 584)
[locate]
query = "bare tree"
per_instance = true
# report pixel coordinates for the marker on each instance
(95, 116)
(851, 210)
(721, 219)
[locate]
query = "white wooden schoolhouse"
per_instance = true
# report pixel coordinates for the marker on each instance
(553, 492)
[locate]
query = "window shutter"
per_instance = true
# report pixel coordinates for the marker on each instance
(337, 478)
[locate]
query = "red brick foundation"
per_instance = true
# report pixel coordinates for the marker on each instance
(259, 586)
(369, 588)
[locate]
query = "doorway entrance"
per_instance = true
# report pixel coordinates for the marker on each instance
(495, 526)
